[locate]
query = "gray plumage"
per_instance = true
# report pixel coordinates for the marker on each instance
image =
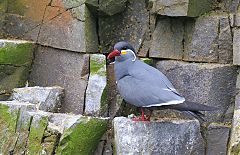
(144, 86)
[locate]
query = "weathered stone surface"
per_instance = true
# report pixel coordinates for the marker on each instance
(82, 137)
(236, 47)
(15, 61)
(96, 84)
(210, 84)
(191, 8)
(106, 7)
(66, 69)
(75, 26)
(162, 137)
(217, 139)
(202, 44)
(167, 38)
(131, 25)
(225, 48)
(208, 39)
(38, 125)
(10, 124)
(23, 19)
(46, 98)
(234, 142)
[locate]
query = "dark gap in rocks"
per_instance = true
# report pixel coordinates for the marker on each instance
(85, 91)
(42, 21)
(29, 128)
(219, 25)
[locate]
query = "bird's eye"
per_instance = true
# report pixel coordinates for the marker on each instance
(124, 48)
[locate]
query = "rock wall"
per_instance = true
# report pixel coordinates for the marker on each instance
(195, 43)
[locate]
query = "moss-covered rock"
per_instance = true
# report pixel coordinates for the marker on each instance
(8, 120)
(16, 53)
(96, 84)
(82, 138)
(15, 62)
(38, 125)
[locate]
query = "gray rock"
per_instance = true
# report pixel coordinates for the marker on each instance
(217, 139)
(96, 84)
(76, 33)
(130, 25)
(202, 44)
(106, 7)
(167, 39)
(24, 18)
(46, 98)
(66, 69)
(225, 48)
(236, 47)
(161, 137)
(210, 84)
(208, 39)
(189, 8)
(234, 142)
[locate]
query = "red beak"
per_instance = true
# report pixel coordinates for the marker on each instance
(113, 54)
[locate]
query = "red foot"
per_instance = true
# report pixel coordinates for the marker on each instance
(142, 118)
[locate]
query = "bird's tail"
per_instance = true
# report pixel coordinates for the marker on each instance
(193, 109)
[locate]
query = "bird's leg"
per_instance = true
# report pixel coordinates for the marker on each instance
(142, 118)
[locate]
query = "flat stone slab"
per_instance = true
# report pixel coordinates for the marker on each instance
(96, 84)
(68, 70)
(162, 137)
(189, 8)
(46, 98)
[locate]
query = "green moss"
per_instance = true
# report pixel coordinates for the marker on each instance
(3, 6)
(16, 7)
(16, 79)
(38, 126)
(50, 141)
(8, 121)
(147, 61)
(82, 138)
(198, 7)
(97, 66)
(104, 101)
(16, 54)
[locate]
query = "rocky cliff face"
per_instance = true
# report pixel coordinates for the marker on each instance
(195, 43)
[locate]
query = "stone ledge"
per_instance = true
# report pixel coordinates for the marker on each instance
(161, 137)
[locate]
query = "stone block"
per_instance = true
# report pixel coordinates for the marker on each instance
(202, 44)
(38, 125)
(217, 139)
(46, 98)
(236, 47)
(10, 124)
(96, 84)
(24, 18)
(208, 39)
(76, 26)
(82, 137)
(234, 142)
(161, 137)
(191, 8)
(66, 69)
(106, 7)
(210, 84)
(15, 61)
(167, 38)
(131, 25)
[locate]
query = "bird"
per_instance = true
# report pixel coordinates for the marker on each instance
(146, 87)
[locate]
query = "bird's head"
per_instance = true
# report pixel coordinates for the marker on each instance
(122, 51)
